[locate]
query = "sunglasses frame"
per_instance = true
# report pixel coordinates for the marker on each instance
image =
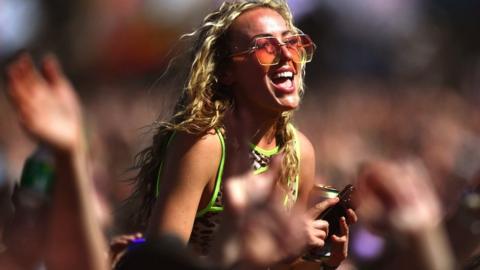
(255, 47)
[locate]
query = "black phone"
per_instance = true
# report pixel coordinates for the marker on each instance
(333, 214)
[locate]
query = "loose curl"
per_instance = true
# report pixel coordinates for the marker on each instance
(205, 100)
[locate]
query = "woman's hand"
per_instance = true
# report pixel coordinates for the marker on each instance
(46, 103)
(339, 243)
(119, 244)
(317, 229)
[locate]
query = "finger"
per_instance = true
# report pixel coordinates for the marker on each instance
(339, 249)
(129, 238)
(15, 81)
(351, 217)
(13, 84)
(236, 200)
(343, 227)
(52, 70)
(317, 243)
(321, 234)
(317, 209)
(320, 224)
(25, 81)
(30, 75)
(120, 242)
(20, 100)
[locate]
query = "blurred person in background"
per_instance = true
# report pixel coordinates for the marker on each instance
(398, 202)
(69, 235)
(247, 58)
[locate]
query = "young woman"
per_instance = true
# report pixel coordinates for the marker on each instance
(249, 60)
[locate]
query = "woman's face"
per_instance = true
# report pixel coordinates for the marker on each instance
(272, 89)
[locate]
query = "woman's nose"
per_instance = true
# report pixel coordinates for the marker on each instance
(285, 53)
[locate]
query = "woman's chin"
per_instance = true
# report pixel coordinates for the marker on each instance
(290, 102)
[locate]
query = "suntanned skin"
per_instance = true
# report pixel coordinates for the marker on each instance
(188, 179)
(50, 112)
(188, 174)
(187, 183)
(189, 170)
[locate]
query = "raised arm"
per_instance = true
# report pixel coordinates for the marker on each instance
(50, 112)
(396, 198)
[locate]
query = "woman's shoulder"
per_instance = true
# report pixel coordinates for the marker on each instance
(206, 142)
(306, 148)
(194, 155)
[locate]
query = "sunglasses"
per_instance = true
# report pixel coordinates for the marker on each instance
(268, 50)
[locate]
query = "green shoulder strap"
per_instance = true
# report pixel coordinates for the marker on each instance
(211, 207)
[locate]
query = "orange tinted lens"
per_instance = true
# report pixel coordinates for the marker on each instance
(301, 48)
(308, 47)
(296, 54)
(267, 50)
(294, 46)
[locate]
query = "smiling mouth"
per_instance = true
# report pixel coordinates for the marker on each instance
(283, 81)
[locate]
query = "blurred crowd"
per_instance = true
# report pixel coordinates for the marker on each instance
(391, 80)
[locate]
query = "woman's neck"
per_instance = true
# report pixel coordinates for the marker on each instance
(261, 128)
(265, 135)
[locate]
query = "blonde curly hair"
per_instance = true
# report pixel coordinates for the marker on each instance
(205, 100)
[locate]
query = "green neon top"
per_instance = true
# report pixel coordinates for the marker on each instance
(213, 205)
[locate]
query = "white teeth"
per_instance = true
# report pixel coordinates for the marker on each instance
(285, 74)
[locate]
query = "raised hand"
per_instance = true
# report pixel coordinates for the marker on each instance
(257, 230)
(268, 234)
(398, 197)
(46, 103)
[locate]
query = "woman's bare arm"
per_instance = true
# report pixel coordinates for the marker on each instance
(317, 229)
(186, 183)
(50, 112)
(307, 170)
